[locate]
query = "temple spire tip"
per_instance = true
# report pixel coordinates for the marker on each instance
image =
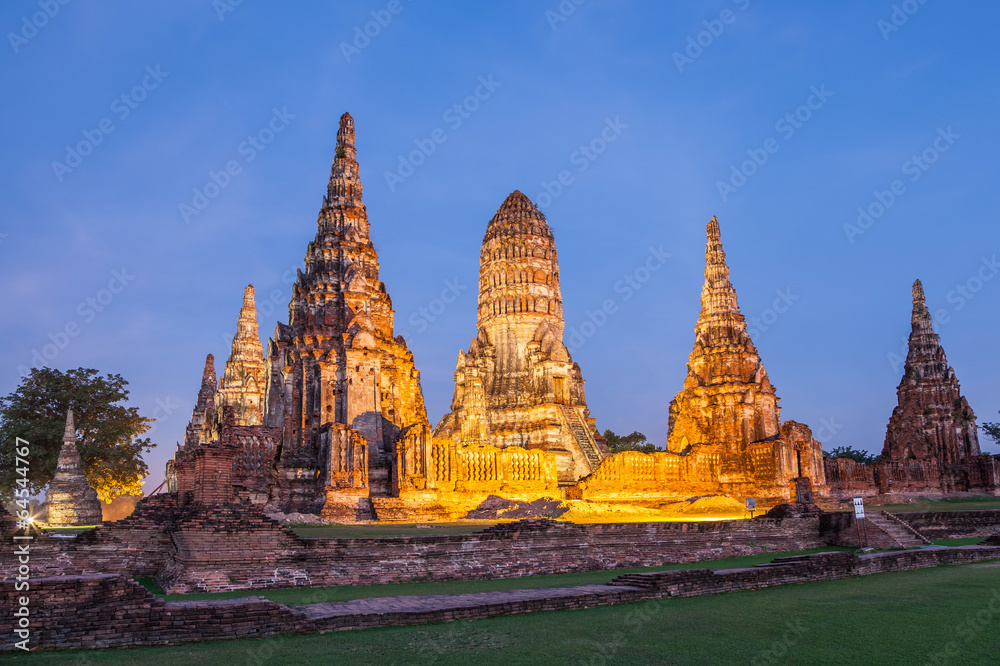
(69, 434)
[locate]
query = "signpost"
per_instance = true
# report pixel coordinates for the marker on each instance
(859, 515)
(751, 505)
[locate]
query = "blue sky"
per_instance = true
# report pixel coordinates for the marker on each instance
(651, 114)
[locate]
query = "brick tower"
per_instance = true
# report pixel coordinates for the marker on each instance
(933, 420)
(242, 385)
(517, 384)
(336, 363)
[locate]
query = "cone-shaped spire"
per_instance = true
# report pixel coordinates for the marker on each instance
(242, 385)
(344, 188)
(920, 321)
(932, 419)
(208, 380)
(517, 209)
(69, 434)
(718, 295)
(199, 428)
(70, 500)
(246, 342)
(724, 369)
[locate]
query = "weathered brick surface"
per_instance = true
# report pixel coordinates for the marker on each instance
(510, 550)
(953, 524)
(111, 611)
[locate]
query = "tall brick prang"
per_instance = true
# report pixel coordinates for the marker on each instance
(517, 385)
(727, 413)
(337, 360)
(727, 400)
(932, 420)
(242, 385)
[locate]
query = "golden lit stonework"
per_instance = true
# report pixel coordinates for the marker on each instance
(517, 384)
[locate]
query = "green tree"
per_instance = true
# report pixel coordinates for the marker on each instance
(992, 430)
(862, 457)
(633, 442)
(107, 431)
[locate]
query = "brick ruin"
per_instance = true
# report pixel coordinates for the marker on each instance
(72, 611)
(517, 385)
(725, 433)
(70, 501)
(330, 420)
(931, 442)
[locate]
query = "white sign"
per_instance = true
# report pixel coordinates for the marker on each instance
(859, 507)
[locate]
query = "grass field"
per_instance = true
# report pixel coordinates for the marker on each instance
(314, 595)
(942, 615)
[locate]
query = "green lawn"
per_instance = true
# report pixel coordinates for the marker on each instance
(912, 617)
(964, 541)
(314, 595)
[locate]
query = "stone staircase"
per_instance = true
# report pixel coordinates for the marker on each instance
(901, 533)
(366, 510)
(378, 481)
(582, 435)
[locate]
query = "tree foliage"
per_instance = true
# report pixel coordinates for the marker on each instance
(633, 442)
(107, 431)
(992, 430)
(856, 455)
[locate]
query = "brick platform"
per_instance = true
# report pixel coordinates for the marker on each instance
(112, 611)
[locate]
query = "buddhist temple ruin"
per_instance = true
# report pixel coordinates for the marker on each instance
(70, 500)
(341, 387)
(329, 418)
(933, 420)
(242, 385)
(202, 425)
(931, 441)
(724, 432)
(517, 385)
